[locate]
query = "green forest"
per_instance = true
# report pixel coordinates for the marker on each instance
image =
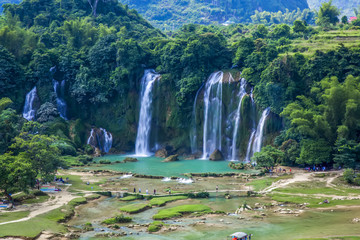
(309, 75)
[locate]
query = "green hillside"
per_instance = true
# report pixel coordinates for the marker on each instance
(346, 7)
(172, 14)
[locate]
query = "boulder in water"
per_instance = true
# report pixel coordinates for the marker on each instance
(162, 153)
(130, 159)
(216, 156)
(172, 158)
(165, 152)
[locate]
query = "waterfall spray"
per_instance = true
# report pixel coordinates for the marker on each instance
(241, 95)
(212, 114)
(29, 111)
(144, 126)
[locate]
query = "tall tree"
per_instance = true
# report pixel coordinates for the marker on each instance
(328, 14)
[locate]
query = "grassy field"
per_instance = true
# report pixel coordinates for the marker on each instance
(80, 185)
(48, 221)
(313, 201)
(135, 208)
(180, 210)
(260, 184)
(161, 201)
(325, 41)
(10, 216)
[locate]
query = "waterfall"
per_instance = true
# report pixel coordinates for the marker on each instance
(91, 137)
(29, 111)
(253, 131)
(193, 136)
(212, 114)
(241, 95)
(59, 89)
(100, 139)
(144, 126)
(108, 139)
(260, 131)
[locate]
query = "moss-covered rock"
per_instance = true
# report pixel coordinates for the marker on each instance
(172, 158)
(216, 156)
(130, 159)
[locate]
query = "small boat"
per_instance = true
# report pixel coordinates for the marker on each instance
(240, 236)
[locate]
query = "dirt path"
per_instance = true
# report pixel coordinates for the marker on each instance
(298, 177)
(61, 198)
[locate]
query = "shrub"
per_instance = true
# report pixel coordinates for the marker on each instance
(155, 226)
(199, 195)
(118, 219)
(104, 161)
(349, 175)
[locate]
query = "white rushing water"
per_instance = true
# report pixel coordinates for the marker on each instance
(29, 111)
(193, 136)
(142, 147)
(91, 137)
(260, 131)
(103, 141)
(253, 131)
(212, 114)
(108, 139)
(184, 180)
(166, 179)
(241, 95)
(59, 89)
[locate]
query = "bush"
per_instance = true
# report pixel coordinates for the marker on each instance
(104, 161)
(199, 195)
(349, 175)
(118, 219)
(155, 226)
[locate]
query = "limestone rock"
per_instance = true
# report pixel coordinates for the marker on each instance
(172, 158)
(216, 156)
(130, 159)
(163, 153)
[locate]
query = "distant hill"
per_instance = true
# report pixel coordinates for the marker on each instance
(346, 6)
(172, 14)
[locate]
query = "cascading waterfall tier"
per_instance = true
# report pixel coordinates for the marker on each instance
(29, 110)
(142, 146)
(253, 130)
(59, 89)
(100, 138)
(260, 131)
(193, 136)
(241, 95)
(212, 114)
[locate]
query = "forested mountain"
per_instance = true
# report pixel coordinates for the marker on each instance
(346, 7)
(81, 63)
(172, 14)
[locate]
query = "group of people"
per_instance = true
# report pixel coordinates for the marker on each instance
(278, 170)
(146, 191)
(316, 168)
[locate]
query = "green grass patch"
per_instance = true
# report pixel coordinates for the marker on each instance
(93, 197)
(135, 208)
(155, 226)
(132, 197)
(180, 210)
(78, 184)
(34, 196)
(313, 201)
(10, 216)
(260, 184)
(161, 201)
